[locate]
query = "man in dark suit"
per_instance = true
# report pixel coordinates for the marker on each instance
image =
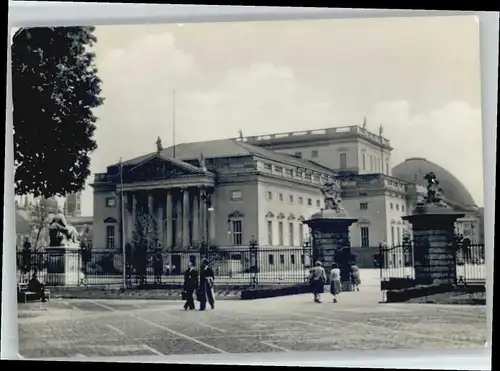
(206, 293)
(190, 286)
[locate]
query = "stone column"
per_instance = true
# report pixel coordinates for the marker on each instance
(159, 223)
(178, 222)
(211, 222)
(169, 210)
(134, 210)
(196, 218)
(185, 217)
(150, 203)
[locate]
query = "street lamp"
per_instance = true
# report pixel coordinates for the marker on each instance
(254, 268)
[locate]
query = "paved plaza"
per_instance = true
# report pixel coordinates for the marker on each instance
(97, 328)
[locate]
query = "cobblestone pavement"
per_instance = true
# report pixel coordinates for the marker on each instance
(97, 328)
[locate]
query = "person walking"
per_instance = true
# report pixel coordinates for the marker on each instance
(317, 280)
(206, 290)
(190, 286)
(335, 284)
(355, 277)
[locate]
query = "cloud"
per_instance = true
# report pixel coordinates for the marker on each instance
(450, 137)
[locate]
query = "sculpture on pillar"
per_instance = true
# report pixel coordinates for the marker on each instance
(331, 196)
(61, 233)
(434, 192)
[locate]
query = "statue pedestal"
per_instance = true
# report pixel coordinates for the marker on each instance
(435, 254)
(64, 265)
(330, 231)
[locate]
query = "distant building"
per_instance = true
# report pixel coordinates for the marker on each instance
(263, 187)
(73, 204)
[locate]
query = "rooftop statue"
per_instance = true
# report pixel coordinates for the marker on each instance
(61, 233)
(331, 196)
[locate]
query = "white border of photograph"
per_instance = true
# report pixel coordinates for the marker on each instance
(32, 14)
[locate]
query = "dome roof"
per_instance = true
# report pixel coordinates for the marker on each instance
(414, 170)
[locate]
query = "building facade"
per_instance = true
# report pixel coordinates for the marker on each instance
(228, 192)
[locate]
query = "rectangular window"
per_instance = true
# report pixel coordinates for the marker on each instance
(402, 207)
(290, 234)
(301, 234)
(110, 201)
(392, 237)
(317, 178)
(298, 154)
(302, 259)
(282, 259)
(269, 196)
(268, 167)
(301, 200)
(365, 237)
(298, 173)
(281, 197)
(314, 154)
(270, 232)
(292, 259)
(308, 177)
(398, 230)
(392, 206)
(363, 158)
(363, 205)
(280, 234)
(309, 201)
(371, 163)
(289, 172)
(343, 161)
(290, 199)
(278, 169)
(318, 203)
(110, 237)
(236, 196)
(237, 233)
(271, 259)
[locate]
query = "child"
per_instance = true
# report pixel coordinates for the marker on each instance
(335, 285)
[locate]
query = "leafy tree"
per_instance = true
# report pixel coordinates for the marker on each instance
(144, 242)
(55, 87)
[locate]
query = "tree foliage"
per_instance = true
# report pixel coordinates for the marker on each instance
(55, 87)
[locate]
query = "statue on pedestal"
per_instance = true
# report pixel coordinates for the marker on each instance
(331, 196)
(434, 192)
(61, 233)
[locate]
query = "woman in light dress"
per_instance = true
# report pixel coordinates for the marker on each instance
(317, 280)
(355, 277)
(335, 284)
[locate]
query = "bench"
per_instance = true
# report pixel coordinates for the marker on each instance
(24, 294)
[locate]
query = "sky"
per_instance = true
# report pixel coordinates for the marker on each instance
(418, 77)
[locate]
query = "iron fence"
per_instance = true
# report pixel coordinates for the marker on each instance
(397, 265)
(242, 265)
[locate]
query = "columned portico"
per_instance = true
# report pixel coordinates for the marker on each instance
(185, 219)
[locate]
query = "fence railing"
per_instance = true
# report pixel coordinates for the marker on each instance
(398, 262)
(249, 265)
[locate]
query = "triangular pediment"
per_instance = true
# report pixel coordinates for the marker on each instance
(236, 214)
(270, 214)
(110, 220)
(160, 167)
(363, 221)
(301, 218)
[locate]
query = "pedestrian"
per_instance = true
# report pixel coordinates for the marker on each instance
(335, 284)
(317, 280)
(190, 286)
(355, 277)
(206, 289)
(37, 287)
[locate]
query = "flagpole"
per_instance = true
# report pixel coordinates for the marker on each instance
(173, 123)
(122, 206)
